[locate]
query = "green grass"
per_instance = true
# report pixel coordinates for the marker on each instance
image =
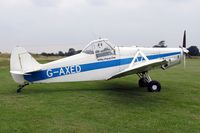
(104, 106)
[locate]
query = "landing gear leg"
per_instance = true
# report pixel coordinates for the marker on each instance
(21, 87)
(145, 81)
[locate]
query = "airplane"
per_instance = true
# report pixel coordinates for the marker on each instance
(99, 60)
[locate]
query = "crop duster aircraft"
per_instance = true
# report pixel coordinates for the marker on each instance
(99, 60)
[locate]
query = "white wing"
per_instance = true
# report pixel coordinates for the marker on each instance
(140, 67)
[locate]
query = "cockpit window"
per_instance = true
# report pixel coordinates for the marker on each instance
(103, 49)
(89, 50)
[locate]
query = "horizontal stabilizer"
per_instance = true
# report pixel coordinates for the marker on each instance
(18, 73)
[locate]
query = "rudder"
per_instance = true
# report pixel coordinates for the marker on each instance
(21, 62)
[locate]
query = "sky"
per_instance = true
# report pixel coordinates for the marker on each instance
(57, 25)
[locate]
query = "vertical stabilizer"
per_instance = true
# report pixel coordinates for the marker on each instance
(22, 62)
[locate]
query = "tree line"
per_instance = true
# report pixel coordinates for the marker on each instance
(70, 52)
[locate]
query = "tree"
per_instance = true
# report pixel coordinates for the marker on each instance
(71, 51)
(60, 53)
(44, 54)
(161, 44)
(193, 51)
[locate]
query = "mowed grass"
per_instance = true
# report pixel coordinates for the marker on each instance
(105, 106)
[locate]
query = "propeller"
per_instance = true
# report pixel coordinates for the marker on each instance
(185, 51)
(184, 39)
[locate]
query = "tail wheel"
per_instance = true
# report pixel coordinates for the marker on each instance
(142, 82)
(154, 86)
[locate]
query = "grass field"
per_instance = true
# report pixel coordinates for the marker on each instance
(103, 106)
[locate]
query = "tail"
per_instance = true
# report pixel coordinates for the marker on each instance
(22, 63)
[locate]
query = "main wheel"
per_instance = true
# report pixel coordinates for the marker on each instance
(154, 86)
(142, 82)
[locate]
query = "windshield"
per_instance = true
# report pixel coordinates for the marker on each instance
(101, 47)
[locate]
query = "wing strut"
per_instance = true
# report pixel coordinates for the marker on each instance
(139, 57)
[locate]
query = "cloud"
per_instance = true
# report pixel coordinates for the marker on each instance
(98, 2)
(9, 4)
(66, 23)
(46, 3)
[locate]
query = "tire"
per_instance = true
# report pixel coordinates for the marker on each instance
(154, 86)
(142, 82)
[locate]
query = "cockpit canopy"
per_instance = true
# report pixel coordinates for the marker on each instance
(100, 47)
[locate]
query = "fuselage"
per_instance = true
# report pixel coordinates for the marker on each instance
(93, 66)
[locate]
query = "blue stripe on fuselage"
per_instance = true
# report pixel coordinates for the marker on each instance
(56, 72)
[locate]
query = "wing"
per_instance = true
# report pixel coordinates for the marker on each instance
(140, 67)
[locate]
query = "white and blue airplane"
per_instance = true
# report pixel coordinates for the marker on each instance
(99, 60)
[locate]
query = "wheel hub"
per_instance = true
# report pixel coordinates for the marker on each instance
(154, 87)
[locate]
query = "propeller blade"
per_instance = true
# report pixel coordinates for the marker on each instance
(184, 39)
(185, 51)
